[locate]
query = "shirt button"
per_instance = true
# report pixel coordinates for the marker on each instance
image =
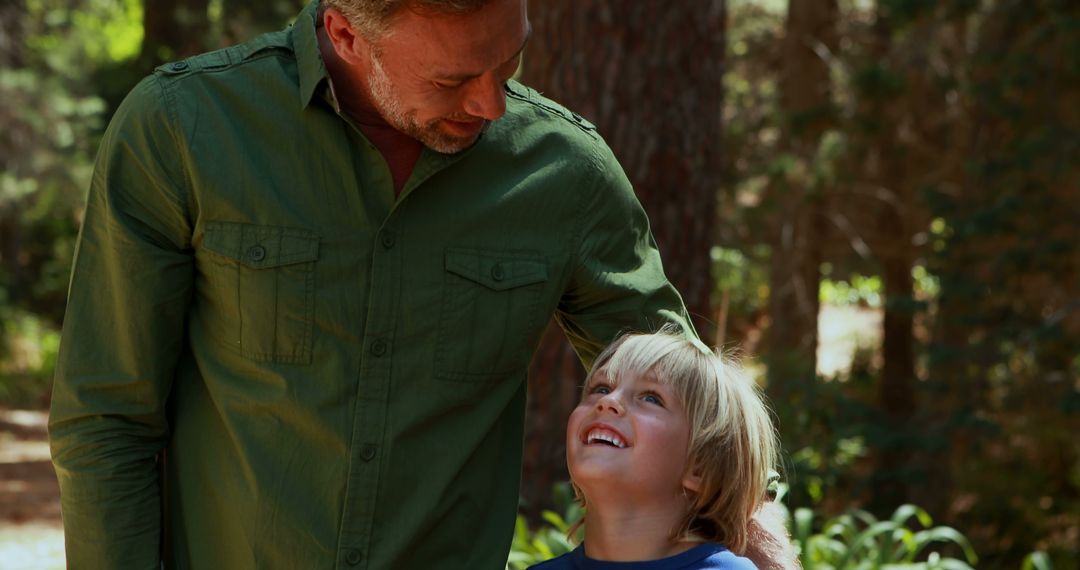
(378, 348)
(353, 557)
(257, 253)
(367, 452)
(179, 66)
(497, 272)
(388, 239)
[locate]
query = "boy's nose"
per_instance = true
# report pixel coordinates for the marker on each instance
(610, 403)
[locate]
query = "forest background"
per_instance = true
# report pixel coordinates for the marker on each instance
(906, 170)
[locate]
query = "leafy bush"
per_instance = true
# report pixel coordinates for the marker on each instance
(858, 540)
(549, 540)
(855, 540)
(28, 348)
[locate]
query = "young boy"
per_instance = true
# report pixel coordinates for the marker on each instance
(669, 452)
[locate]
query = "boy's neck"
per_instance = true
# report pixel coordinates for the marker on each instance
(628, 533)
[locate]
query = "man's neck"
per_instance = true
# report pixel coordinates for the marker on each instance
(400, 151)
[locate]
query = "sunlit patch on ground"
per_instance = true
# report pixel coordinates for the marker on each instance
(31, 536)
(31, 546)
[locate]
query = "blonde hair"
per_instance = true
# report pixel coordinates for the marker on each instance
(733, 443)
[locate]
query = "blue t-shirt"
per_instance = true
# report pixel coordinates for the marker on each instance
(715, 556)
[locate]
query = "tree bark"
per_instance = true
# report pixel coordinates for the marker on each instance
(649, 75)
(12, 42)
(12, 56)
(796, 235)
(172, 29)
(245, 19)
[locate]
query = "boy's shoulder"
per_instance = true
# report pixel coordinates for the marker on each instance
(702, 557)
(569, 561)
(719, 557)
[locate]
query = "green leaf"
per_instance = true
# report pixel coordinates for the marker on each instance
(1037, 560)
(904, 512)
(946, 534)
(555, 520)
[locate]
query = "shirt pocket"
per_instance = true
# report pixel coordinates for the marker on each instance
(490, 319)
(264, 278)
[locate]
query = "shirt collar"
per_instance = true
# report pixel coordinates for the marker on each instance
(309, 61)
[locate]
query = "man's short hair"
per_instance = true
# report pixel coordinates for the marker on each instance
(372, 17)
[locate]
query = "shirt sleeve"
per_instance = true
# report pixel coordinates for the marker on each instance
(618, 283)
(123, 333)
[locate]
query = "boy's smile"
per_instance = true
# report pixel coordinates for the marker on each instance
(602, 434)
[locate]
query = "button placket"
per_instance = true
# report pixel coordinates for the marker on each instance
(388, 239)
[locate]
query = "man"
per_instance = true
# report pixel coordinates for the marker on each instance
(311, 276)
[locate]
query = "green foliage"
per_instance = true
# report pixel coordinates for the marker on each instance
(550, 539)
(28, 348)
(52, 120)
(959, 118)
(855, 540)
(858, 540)
(74, 36)
(743, 278)
(858, 290)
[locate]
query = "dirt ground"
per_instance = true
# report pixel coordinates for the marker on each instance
(31, 536)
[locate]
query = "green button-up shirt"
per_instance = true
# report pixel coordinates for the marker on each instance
(269, 360)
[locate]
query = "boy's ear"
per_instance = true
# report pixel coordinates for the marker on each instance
(692, 481)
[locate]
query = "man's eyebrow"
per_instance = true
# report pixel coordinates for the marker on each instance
(467, 76)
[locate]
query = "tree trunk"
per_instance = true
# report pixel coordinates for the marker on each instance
(172, 29)
(796, 237)
(245, 19)
(649, 75)
(13, 137)
(12, 42)
(895, 172)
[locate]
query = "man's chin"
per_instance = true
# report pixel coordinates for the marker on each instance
(451, 137)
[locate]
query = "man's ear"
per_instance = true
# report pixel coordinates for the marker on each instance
(348, 42)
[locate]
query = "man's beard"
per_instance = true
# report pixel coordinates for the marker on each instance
(389, 107)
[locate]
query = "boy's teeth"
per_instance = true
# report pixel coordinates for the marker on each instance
(606, 437)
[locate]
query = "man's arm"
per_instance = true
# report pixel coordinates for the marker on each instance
(618, 282)
(769, 545)
(123, 332)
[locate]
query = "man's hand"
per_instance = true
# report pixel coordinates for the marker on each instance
(769, 545)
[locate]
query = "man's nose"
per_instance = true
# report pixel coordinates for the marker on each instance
(486, 98)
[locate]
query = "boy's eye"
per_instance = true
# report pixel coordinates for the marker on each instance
(601, 389)
(653, 399)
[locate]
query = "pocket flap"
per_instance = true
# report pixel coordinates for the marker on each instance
(261, 247)
(497, 270)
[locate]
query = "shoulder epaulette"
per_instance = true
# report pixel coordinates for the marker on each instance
(531, 96)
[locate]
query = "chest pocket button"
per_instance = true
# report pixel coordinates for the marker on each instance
(257, 253)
